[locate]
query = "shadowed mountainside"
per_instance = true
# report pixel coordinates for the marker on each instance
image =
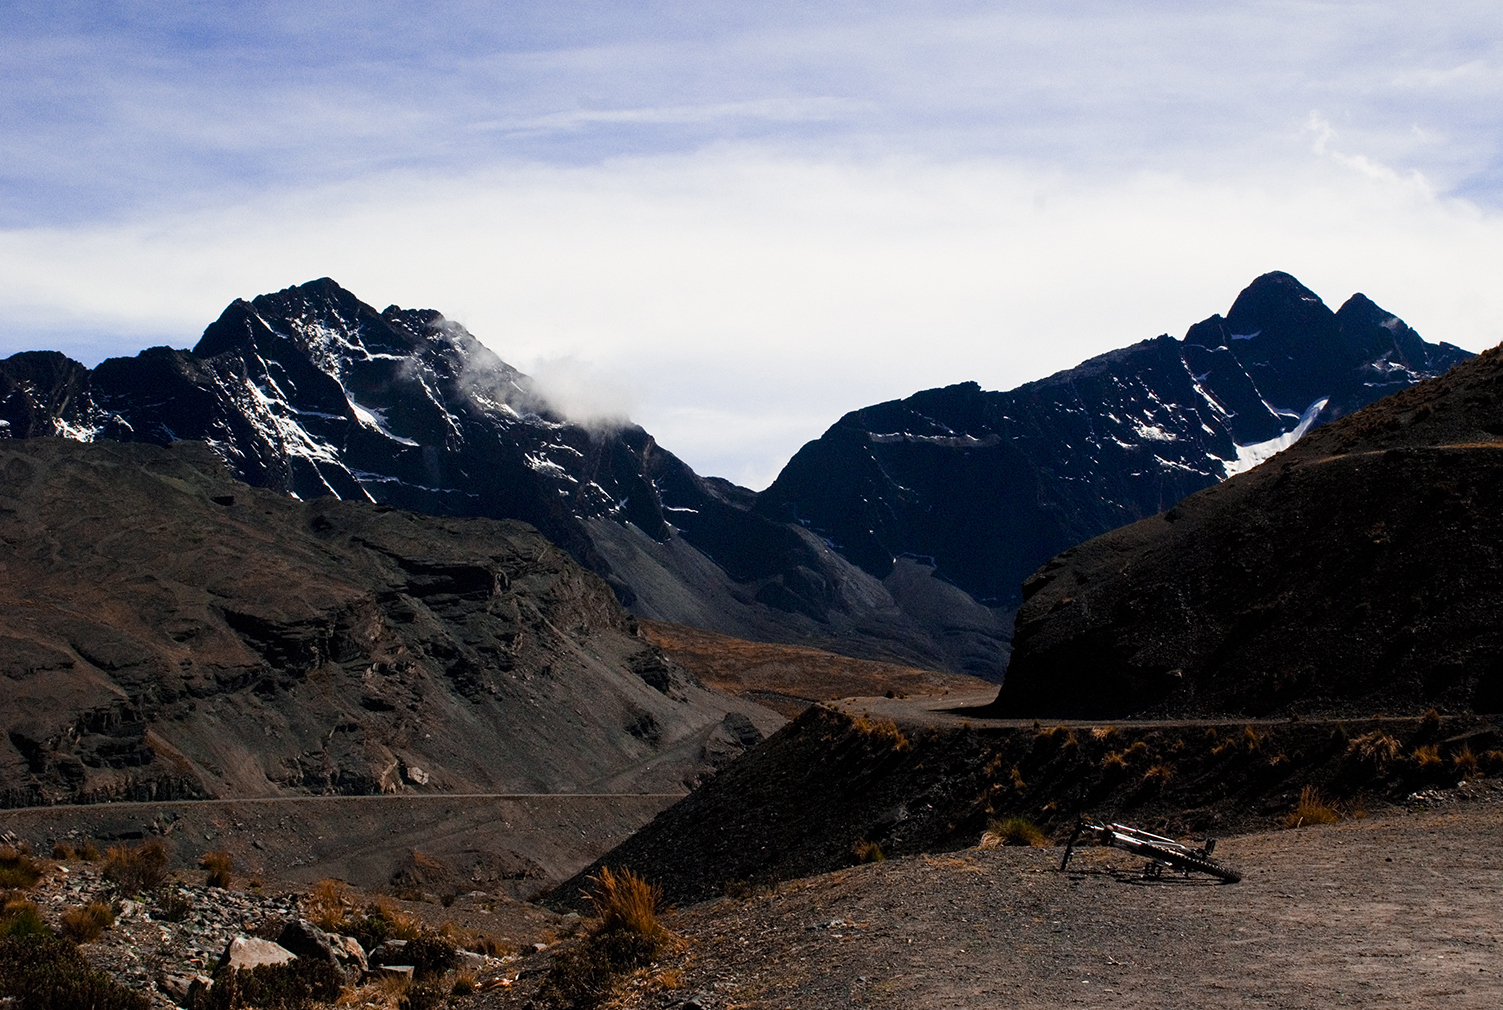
(1356, 572)
(167, 632)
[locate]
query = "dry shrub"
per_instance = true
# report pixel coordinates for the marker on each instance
(87, 924)
(1114, 762)
(1376, 749)
(1158, 775)
(1466, 763)
(626, 901)
(882, 730)
(89, 853)
(1430, 721)
(220, 866)
(143, 868)
(1102, 732)
(1311, 809)
(1425, 756)
(867, 852)
(1137, 750)
(627, 936)
(328, 904)
(464, 984)
(1017, 831)
(18, 867)
(402, 926)
(62, 851)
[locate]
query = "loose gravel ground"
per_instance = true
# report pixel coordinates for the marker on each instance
(1399, 909)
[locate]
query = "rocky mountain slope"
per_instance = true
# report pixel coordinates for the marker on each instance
(900, 535)
(1355, 572)
(976, 489)
(311, 392)
(168, 632)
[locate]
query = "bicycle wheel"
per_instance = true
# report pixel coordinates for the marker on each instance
(1198, 864)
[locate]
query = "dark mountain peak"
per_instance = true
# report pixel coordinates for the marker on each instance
(1296, 587)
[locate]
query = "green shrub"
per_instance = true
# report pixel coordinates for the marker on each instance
(294, 985)
(18, 868)
(423, 996)
(19, 917)
(48, 973)
(429, 955)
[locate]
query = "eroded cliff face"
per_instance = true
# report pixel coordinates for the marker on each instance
(167, 631)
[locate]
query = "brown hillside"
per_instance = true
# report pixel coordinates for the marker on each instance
(167, 632)
(790, 678)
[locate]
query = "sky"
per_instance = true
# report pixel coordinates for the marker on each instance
(733, 223)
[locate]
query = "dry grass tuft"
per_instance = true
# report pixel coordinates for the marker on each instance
(625, 901)
(867, 852)
(1017, 831)
(1137, 750)
(1159, 775)
(1102, 732)
(220, 866)
(1376, 749)
(328, 904)
(1466, 763)
(87, 924)
(1114, 762)
(1017, 779)
(1251, 738)
(883, 730)
(143, 868)
(1311, 809)
(1425, 756)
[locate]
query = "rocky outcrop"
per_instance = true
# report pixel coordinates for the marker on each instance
(168, 632)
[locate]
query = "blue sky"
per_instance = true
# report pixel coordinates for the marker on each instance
(735, 222)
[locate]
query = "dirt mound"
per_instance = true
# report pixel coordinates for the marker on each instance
(167, 632)
(790, 678)
(835, 788)
(1353, 573)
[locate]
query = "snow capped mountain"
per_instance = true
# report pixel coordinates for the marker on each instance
(903, 533)
(981, 488)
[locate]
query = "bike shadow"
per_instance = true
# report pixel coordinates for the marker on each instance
(1138, 878)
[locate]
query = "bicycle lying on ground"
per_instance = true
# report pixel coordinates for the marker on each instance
(1160, 851)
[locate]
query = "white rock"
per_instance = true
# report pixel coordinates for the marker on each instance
(252, 952)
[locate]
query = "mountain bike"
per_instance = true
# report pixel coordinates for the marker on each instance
(1160, 851)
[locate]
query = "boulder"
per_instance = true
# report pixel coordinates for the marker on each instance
(245, 952)
(306, 940)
